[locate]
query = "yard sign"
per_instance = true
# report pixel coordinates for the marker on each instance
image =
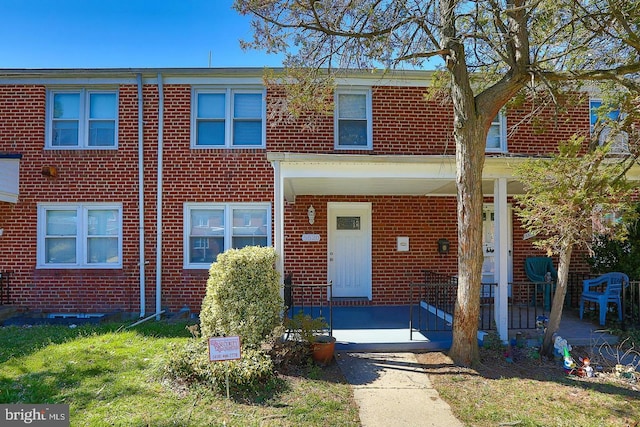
(224, 348)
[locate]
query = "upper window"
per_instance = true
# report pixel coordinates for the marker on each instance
(82, 118)
(497, 137)
(228, 118)
(599, 113)
(210, 229)
(353, 129)
(79, 236)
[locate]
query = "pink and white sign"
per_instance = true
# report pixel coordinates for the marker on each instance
(224, 348)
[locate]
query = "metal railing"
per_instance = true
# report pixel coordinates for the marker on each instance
(631, 305)
(313, 300)
(437, 295)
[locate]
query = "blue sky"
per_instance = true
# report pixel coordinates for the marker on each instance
(124, 34)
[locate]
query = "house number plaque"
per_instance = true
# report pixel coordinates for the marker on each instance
(310, 237)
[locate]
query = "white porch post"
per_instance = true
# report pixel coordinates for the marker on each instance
(278, 216)
(501, 257)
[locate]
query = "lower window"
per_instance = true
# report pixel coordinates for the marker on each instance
(79, 236)
(210, 229)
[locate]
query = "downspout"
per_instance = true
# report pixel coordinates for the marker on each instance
(141, 261)
(278, 212)
(159, 200)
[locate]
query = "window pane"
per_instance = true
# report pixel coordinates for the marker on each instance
(102, 250)
(66, 105)
(61, 223)
(210, 133)
(247, 133)
(102, 106)
(593, 112)
(205, 249)
(247, 105)
(211, 105)
(103, 223)
(241, 242)
(102, 133)
(348, 223)
(60, 250)
(207, 222)
(249, 222)
(65, 133)
(352, 106)
(613, 115)
(494, 137)
(352, 132)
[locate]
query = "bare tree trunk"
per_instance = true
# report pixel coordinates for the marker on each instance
(558, 301)
(470, 153)
(470, 136)
(472, 117)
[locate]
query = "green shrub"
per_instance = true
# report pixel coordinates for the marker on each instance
(251, 375)
(305, 328)
(243, 296)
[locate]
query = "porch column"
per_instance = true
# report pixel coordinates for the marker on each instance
(501, 257)
(278, 216)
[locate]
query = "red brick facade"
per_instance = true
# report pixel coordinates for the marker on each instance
(404, 123)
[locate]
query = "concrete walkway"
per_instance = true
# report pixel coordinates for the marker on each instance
(392, 389)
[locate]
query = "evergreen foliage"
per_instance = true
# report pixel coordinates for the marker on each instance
(243, 296)
(614, 255)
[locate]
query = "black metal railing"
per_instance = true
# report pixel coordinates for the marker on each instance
(631, 305)
(437, 295)
(5, 279)
(529, 303)
(313, 300)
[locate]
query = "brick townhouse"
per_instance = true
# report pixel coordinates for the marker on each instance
(118, 187)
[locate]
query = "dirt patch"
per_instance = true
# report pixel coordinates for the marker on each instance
(495, 364)
(525, 390)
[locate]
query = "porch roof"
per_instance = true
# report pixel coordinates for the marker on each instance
(357, 174)
(9, 177)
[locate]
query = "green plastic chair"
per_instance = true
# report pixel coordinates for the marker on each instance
(536, 269)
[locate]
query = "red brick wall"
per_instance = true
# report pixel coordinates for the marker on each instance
(215, 175)
(404, 121)
(535, 129)
(83, 176)
(423, 219)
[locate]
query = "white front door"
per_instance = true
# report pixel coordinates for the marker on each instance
(488, 246)
(349, 257)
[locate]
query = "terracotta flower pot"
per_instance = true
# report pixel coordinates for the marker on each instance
(322, 349)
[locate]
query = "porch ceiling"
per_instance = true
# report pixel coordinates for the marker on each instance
(381, 186)
(337, 174)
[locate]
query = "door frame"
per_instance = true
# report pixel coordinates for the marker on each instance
(490, 206)
(332, 209)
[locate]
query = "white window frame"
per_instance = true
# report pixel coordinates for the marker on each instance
(621, 143)
(229, 118)
(369, 119)
(228, 209)
(501, 121)
(83, 118)
(81, 237)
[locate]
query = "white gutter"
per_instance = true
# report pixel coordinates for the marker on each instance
(159, 200)
(141, 261)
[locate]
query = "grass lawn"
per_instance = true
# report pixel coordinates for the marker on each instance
(531, 392)
(110, 376)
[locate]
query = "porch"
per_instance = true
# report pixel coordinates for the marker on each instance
(424, 323)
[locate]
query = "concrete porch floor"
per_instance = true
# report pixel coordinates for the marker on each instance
(386, 329)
